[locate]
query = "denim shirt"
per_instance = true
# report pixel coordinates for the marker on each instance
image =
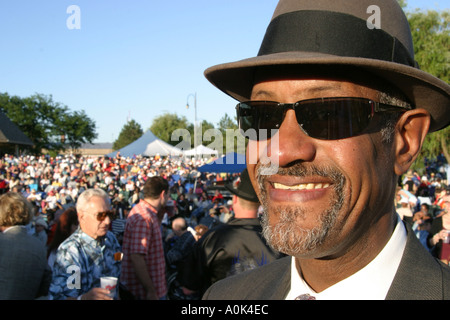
(80, 262)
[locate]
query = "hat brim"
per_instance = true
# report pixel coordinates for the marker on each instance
(421, 88)
(245, 189)
(242, 194)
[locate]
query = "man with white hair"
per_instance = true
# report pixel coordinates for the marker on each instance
(89, 253)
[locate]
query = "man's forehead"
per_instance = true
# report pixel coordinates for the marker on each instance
(300, 89)
(97, 201)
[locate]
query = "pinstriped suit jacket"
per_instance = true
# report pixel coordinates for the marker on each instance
(419, 277)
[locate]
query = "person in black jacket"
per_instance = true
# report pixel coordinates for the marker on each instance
(232, 247)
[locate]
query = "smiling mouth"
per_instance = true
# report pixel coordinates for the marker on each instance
(301, 186)
(299, 183)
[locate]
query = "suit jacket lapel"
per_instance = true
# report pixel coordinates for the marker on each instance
(278, 283)
(419, 275)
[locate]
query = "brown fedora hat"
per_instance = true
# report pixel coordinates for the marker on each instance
(345, 34)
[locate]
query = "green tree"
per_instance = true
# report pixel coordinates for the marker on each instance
(205, 126)
(431, 38)
(233, 141)
(47, 123)
(130, 132)
(165, 125)
(227, 123)
(402, 3)
(78, 129)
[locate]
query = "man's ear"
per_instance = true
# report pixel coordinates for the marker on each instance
(81, 216)
(162, 194)
(411, 131)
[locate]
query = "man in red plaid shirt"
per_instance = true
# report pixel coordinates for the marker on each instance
(143, 266)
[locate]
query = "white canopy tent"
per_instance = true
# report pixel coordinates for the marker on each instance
(162, 148)
(201, 151)
(148, 145)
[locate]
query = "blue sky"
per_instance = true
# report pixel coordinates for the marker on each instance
(131, 59)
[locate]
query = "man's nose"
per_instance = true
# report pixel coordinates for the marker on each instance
(290, 143)
(107, 220)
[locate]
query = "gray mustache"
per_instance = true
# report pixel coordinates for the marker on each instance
(301, 170)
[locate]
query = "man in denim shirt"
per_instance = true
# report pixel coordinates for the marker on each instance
(88, 253)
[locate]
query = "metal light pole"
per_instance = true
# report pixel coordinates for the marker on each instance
(195, 120)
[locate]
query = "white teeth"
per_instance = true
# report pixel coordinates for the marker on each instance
(303, 186)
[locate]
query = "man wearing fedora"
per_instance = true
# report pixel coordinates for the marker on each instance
(335, 109)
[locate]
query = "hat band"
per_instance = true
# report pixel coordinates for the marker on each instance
(332, 33)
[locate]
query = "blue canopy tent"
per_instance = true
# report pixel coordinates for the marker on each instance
(232, 162)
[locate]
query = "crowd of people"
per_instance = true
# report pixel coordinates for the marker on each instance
(423, 202)
(54, 184)
(52, 187)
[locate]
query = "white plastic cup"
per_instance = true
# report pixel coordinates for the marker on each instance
(447, 238)
(109, 283)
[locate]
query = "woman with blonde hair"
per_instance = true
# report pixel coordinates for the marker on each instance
(23, 265)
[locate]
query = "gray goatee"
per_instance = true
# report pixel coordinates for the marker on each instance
(287, 235)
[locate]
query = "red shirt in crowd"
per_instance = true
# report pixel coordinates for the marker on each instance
(143, 235)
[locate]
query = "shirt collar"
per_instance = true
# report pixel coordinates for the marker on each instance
(94, 243)
(148, 205)
(370, 283)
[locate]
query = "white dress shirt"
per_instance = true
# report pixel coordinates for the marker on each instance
(370, 283)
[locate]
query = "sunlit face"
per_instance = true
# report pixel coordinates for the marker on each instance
(325, 194)
(88, 218)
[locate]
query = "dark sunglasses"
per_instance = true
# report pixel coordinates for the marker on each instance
(101, 216)
(323, 118)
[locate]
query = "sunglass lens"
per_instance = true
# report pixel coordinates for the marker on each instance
(258, 118)
(245, 116)
(327, 119)
(102, 215)
(333, 119)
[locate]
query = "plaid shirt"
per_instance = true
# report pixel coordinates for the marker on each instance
(143, 235)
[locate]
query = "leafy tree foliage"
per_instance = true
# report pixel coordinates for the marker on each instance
(79, 129)
(49, 124)
(163, 126)
(166, 124)
(130, 132)
(235, 141)
(431, 38)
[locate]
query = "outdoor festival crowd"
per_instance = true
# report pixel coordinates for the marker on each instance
(52, 186)
(193, 206)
